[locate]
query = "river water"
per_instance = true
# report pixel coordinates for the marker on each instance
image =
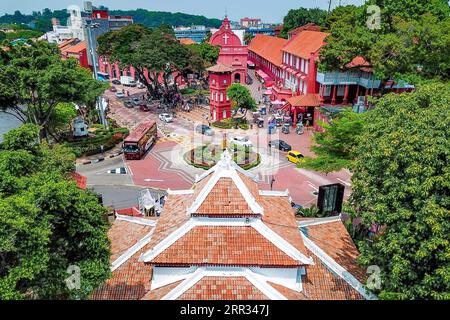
(7, 122)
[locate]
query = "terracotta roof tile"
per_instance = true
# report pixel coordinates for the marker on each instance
(123, 235)
(268, 47)
(334, 239)
(224, 199)
(320, 283)
(223, 288)
(186, 41)
(305, 100)
(232, 246)
(220, 67)
(131, 281)
(305, 43)
(280, 217)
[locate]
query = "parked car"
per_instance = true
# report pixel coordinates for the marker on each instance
(136, 101)
(165, 117)
(128, 104)
(113, 89)
(116, 82)
(140, 86)
(204, 129)
(280, 145)
(120, 95)
(241, 141)
(294, 156)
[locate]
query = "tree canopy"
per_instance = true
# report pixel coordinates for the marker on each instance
(334, 148)
(401, 183)
(155, 50)
(299, 17)
(241, 98)
(411, 43)
(34, 80)
(48, 226)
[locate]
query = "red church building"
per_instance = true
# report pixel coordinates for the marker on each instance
(233, 53)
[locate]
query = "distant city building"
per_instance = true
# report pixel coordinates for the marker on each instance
(195, 33)
(101, 23)
(250, 22)
(74, 28)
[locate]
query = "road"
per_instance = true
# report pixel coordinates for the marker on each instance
(121, 197)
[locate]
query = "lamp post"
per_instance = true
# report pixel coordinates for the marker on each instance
(89, 27)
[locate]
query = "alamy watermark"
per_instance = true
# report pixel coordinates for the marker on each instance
(74, 280)
(374, 20)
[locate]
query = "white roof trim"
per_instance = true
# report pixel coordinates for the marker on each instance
(226, 170)
(185, 285)
(180, 192)
(132, 250)
(318, 221)
(260, 282)
(280, 242)
(271, 193)
(337, 268)
(137, 220)
(256, 223)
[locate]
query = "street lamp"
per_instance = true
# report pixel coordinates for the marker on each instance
(89, 27)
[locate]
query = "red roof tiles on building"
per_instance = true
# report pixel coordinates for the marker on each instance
(225, 246)
(268, 47)
(223, 288)
(305, 100)
(305, 43)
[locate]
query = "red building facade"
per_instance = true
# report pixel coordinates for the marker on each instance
(220, 77)
(232, 53)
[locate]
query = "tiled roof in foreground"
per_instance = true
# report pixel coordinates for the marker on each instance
(223, 288)
(215, 245)
(270, 255)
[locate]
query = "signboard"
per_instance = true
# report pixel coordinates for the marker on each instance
(330, 198)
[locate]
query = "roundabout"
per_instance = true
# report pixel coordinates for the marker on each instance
(206, 156)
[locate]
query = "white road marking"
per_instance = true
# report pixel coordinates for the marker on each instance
(344, 182)
(153, 180)
(312, 185)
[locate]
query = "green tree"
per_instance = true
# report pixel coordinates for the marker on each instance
(401, 183)
(334, 147)
(241, 98)
(411, 44)
(34, 81)
(248, 37)
(47, 223)
(155, 50)
(299, 17)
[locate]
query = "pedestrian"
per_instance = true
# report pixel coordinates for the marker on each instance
(271, 183)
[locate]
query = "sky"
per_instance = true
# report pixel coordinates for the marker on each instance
(267, 10)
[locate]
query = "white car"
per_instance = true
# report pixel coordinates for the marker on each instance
(165, 117)
(241, 141)
(120, 95)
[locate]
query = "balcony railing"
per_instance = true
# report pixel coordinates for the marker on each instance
(342, 78)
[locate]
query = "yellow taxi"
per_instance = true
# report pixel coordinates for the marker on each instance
(294, 156)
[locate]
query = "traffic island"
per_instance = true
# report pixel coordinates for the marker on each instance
(206, 156)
